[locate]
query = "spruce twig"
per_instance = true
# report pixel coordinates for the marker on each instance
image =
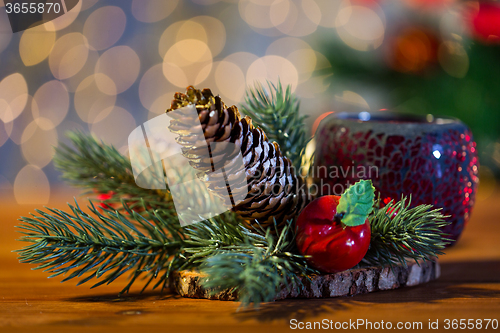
(258, 270)
(95, 166)
(276, 111)
(105, 245)
(400, 233)
(91, 246)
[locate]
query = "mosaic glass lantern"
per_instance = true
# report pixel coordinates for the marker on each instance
(432, 159)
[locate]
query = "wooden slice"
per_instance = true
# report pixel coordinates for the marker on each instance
(350, 282)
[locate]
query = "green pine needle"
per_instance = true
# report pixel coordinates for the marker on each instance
(101, 246)
(276, 111)
(257, 271)
(400, 233)
(97, 167)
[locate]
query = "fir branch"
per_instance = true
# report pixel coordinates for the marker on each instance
(106, 243)
(95, 166)
(208, 237)
(276, 111)
(400, 233)
(257, 270)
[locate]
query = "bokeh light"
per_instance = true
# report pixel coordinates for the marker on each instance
(191, 29)
(271, 68)
(161, 104)
(155, 91)
(150, 11)
(187, 62)
(5, 111)
(243, 59)
(90, 101)
(302, 17)
(304, 61)
(453, 59)
(329, 11)
(50, 102)
(207, 29)
(169, 36)
(286, 45)
(221, 79)
(5, 130)
(215, 30)
(113, 125)
(279, 10)
(38, 141)
(230, 81)
(31, 186)
(35, 44)
(256, 13)
(83, 72)
(360, 27)
(298, 52)
(290, 17)
(353, 99)
(104, 27)
(69, 55)
(451, 22)
(17, 126)
(14, 93)
(120, 64)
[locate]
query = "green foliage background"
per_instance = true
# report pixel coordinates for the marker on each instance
(474, 99)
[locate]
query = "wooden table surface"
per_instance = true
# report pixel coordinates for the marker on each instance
(469, 288)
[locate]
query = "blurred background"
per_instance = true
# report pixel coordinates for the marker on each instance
(109, 65)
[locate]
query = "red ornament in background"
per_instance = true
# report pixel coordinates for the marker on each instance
(484, 21)
(413, 50)
(103, 197)
(106, 196)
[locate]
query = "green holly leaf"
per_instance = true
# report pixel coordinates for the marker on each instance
(357, 203)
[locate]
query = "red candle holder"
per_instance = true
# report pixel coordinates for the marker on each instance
(433, 159)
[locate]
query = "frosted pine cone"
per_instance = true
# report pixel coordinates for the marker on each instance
(274, 191)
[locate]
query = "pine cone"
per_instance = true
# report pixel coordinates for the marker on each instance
(274, 191)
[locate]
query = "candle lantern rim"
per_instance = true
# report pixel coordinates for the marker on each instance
(394, 117)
